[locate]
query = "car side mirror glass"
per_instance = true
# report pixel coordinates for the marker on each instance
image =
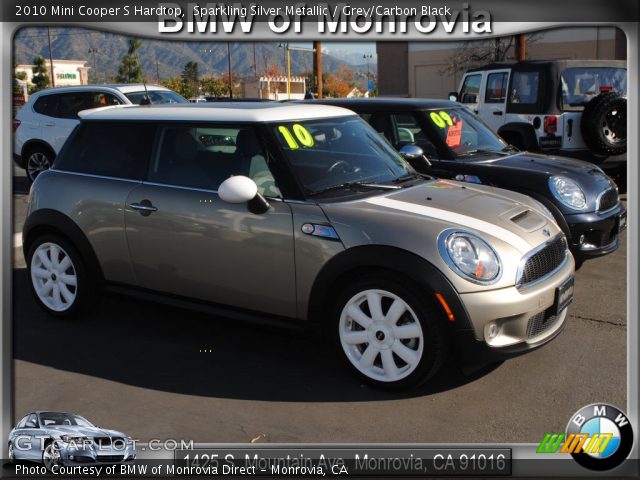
(241, 189)
(453, 96)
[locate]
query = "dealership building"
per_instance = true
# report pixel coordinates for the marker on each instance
(65, 72)
(420, 69)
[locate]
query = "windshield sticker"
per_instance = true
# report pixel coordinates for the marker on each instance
(302, 134)
(454, 134)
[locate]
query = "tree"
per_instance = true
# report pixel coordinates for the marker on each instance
(21, 75)
(475, 53)
(190, 80)
(40, 77)
(213, 86)
(235, 83)
(174, 83)
(339, 84)
(272, 70)
(130, 70)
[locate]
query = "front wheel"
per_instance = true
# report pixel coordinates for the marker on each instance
(12, 454)
(50, 456)
(59, 279)
(390, 334)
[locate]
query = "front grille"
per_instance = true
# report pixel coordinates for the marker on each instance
(540, 323)
(608, 200)
(110, 458)
(102, 441)
(544, 261)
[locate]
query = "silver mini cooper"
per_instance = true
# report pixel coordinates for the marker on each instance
(296, 213)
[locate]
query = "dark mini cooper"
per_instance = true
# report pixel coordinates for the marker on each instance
(455, 143)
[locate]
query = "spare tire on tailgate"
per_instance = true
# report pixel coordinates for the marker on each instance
(604, 124)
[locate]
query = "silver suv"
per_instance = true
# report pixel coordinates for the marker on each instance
(42, 125)
(296, 213)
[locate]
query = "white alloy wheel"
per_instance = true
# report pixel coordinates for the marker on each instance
(54, 277)
(37, 163)
(50, 456)
(381, 335)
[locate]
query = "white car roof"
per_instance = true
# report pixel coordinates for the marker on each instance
(236, 112)
(123, 87)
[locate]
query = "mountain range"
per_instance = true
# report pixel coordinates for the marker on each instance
(161, 59)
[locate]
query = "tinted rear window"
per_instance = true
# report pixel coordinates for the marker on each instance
(67, 105)
(120, 150)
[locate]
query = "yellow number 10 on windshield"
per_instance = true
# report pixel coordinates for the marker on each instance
(301, 134)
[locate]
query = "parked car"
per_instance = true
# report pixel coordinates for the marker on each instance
(575, 108)
(57, 438)
(298, 213)
(44, 123)
(579, 195)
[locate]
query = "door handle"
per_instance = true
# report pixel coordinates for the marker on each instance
(497, 112)
(144, 207)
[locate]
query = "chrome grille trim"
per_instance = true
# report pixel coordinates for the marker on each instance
(522, 283)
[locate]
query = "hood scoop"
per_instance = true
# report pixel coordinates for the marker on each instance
(527, 219)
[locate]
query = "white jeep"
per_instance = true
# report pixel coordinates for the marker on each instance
(576, 108)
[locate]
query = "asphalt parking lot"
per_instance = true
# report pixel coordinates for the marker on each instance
(141, 368)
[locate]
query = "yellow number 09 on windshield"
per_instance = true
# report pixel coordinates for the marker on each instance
(301, 134)
(441, 119)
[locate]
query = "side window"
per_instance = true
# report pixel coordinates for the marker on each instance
(524, 87)
(120, 150)
(47, 105)
(205, 156)
(69, 104)
(496, 88)
(22, 422)
(32, 421)
(470, 89)
(410, 131)
(103, 99)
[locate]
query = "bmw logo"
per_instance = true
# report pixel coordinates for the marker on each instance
(609, 436)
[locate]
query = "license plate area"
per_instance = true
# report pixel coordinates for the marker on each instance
(549, 142)
(564, 295)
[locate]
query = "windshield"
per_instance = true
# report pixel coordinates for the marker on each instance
(157, 97)
(580, 85)
(56, 418)
(331, 152)
(462, 133)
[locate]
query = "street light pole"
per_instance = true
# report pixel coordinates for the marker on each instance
(229, 62)
(95, 62)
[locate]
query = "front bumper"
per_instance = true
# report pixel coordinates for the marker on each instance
(512, 321)
(595, 234)
(95, 455)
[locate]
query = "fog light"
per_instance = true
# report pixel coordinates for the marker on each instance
(493, 330)
(581, 239)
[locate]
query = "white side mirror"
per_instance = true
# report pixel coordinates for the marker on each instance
(237, 189)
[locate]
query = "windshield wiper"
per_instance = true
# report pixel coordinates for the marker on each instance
(355, 185)
(410, 176)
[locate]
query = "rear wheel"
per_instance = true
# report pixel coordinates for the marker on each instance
(59, 279)
(39, 159)
(390, 334)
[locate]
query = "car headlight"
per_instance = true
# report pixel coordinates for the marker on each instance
(470, 257)
(568, 192)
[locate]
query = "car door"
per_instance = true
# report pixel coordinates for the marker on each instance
(184, 240)
(470, 91)
(493, 106)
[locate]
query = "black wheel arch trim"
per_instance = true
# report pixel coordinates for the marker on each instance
(52, 221)
(35, 142)
(372, 257)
